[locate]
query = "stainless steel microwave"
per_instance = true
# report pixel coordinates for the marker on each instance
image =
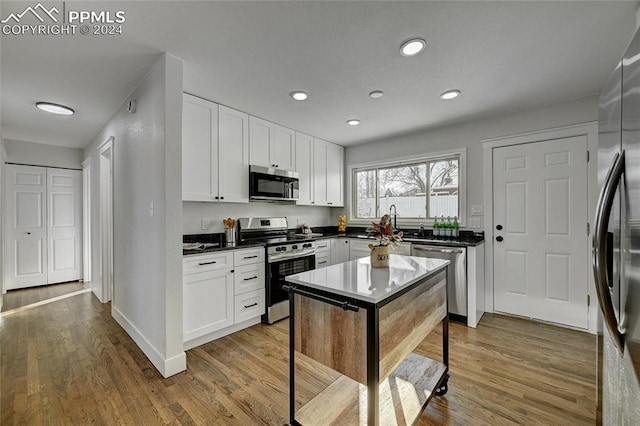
(273, 185)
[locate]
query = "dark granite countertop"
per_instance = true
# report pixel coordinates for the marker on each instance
(466, 239)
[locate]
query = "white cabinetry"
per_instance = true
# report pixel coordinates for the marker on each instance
(233, 164)
(215, 152)
(199, 149)
(304, 167)
(328, 174)
(208, 292)
(339, 250)
(360, 248)
(223, 292)
(323, 253)
(271, 145)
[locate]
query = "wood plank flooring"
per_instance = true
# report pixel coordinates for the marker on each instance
(14, 299)
(69, 362)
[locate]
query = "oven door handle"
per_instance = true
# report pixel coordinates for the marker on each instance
(279, 257)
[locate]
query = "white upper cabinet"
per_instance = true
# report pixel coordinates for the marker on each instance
(320, 171)
(215, 152)
(234, 155)
(328, 174)
(335, 175)
(199, 149)
(271, 145)
(304, 167)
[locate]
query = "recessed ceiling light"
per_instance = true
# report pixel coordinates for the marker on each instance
(299, 95)
(376, 94)
(353, 122)
(412, 47)
(450, 94)
(54, 108)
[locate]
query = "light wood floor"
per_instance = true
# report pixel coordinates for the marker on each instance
(68, 362)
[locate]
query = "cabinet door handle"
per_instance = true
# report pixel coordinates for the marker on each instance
(251, 305)
(252, 278)
(250, 257)
(207, 263)
(322, 263)
(329, 203)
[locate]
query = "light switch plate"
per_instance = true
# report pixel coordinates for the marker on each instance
(477, 210)
(205, 223)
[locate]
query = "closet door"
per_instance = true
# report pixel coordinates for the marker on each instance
(64, 225)
(26, 249)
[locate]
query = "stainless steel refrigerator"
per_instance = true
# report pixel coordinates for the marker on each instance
(616, 243)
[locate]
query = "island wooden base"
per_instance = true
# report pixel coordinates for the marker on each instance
(403, 396)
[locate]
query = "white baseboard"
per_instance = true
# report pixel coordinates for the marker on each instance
(166, 366)
(220, 333)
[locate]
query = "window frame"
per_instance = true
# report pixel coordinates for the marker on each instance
(406, 161)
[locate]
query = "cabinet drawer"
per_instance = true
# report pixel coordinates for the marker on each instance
(249, 278)
(248, 256)
(322, 260)
(249, 305)
(361, 245)
(207, 262)
(323, 245)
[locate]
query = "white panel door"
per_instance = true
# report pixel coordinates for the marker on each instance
(335, 172)
(320, 172)
(199, 149)
(64, 225)
(233, 167)
(260, 136)
(283, 148)
(26, 249)
(304, 167)
(540, 213)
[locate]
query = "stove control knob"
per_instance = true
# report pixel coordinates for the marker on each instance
(295, 247)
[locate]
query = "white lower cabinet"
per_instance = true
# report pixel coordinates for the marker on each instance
(339, 250)
(323, 253)
(208, 302)
(223, 292)
(249, 305)
(360, 248)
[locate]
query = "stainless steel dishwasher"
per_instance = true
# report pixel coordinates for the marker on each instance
(456, 274)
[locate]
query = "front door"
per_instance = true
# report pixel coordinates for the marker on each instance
(540, 230)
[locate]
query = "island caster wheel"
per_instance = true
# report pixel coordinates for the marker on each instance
(444, 386)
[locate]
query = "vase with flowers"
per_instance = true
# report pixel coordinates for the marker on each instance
(386, 237)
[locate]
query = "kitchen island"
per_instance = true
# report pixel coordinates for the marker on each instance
(364, 324)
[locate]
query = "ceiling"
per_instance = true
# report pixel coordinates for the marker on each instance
(503, 56)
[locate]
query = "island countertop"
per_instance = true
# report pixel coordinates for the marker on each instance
(356, 279)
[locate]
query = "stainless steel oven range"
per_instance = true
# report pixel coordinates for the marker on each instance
(284, 257)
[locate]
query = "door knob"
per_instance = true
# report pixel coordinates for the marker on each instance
(499, 227)
(499, 239)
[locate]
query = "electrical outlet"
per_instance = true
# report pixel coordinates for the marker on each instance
(477, 210)
(205, 223)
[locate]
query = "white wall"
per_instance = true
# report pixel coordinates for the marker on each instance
(469, 135)
(37, 154)
(147, 169)
(193, 213)
(2, 216)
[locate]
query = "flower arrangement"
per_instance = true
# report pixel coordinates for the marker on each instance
(383, 232)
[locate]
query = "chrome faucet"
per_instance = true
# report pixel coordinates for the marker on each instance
(395, 214)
